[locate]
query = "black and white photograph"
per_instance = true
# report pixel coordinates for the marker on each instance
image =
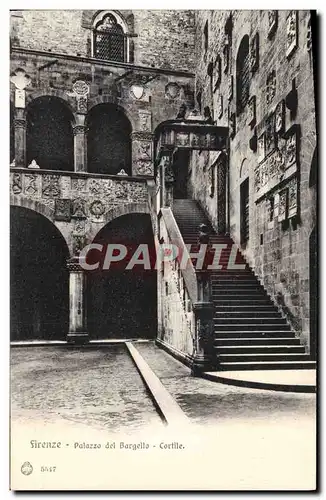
(164, 255)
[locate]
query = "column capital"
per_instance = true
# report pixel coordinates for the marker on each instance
(20, 123)
(79, 129)
(74, 266)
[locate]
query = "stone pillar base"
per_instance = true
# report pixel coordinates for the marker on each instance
(78, 338)
(202, 363)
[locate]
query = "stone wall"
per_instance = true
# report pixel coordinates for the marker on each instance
(78, 204)
(164, 38)
(281, 203)
(146, 97)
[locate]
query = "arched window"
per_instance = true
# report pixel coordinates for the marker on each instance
(243, 74)
(109, 38)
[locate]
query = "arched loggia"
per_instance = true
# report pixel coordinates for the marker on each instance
(122, 303)
(39, 294)
(49, 138)
(108, 140)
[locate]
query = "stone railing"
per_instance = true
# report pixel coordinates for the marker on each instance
(187, 313)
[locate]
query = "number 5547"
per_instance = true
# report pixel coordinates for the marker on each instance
(45, 468)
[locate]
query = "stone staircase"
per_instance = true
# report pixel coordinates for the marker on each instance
(250, 331)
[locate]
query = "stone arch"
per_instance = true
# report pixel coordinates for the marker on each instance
(244, 168)
(114, 213)
(122, 302)
(39, 276)
(88, 17)
(242, 74)
(69, 102)
(109, 143)
(112, 99)
(38, 207)
(49, 133)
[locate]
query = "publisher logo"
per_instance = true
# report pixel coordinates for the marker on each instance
(26, 468)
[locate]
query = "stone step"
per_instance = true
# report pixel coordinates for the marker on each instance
(236, 285)
(263, 327)
(264, 341)
(268, 365)
(249, 334)
(267, 357)
(256, 320)
(236, 292)
(238, 315)
(263, 349)
(234, 300)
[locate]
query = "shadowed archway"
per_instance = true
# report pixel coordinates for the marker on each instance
(50, 139)
(39, 297)
(122, 303)
(108, 140)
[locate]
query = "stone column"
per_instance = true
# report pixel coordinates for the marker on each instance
(167, 181)
(80, 156)
(77, 303)
(20, 137)
(203, 358)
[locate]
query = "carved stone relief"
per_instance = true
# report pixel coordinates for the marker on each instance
(78, 185)
(272, 22)
(17, 183)
(144, 167)
(280, 165)
(270, 87)
(79, 227)
(50, 186)
(80, 91)
(79, 242)
(280, 117)
(261, 148)
(252, 111)
(293, 198)
(283, 205)
(291, 32)
(172, 90)
(219, 106)
(97, 208)
(78, 208)
(30, 181)
(270, 136)
(145, 121)
(62, 209)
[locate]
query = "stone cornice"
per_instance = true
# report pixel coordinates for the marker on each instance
(100, 62)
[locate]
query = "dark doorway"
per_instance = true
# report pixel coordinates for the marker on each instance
(221, 195)
(108, 140)
(39, 296)
(180, 171)
(313, 291)
(244, 212)
(50, 139)
(122, 303)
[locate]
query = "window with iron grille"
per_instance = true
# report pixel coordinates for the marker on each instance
(243, 74)
(110, 41)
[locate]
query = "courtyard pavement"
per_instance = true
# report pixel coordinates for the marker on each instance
(238, 438)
